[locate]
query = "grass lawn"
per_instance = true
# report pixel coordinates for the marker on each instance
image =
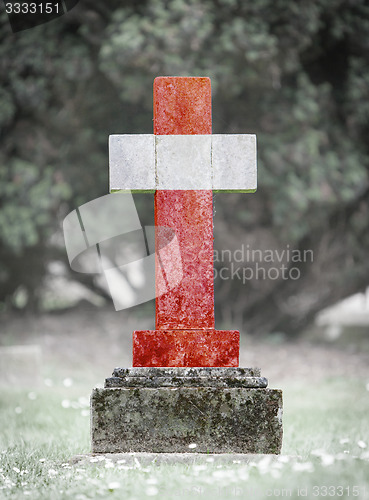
(325, 451)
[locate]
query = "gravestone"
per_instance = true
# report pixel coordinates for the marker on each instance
(185, 391)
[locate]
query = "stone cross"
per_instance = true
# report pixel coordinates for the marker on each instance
(183, 163)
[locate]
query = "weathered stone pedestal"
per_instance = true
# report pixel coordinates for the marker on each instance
(165, 410)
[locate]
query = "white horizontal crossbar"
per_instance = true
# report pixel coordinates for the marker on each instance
(146, 162)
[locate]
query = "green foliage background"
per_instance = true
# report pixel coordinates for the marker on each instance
(294, 73)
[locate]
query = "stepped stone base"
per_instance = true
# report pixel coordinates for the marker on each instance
(169, 410)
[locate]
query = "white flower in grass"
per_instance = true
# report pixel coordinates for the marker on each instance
(94, 459)
(341, 456)
(114, 485)
(8, 483)
(277, 465)
(42, 460)
(192, 446)
(303, 467)
(85, 413)
(275, 473)
(152, 491)
(18, 410)
(344, 440)
(67, 382)
(327, 460)
(15, 469)
(210, 459)
(243, 474)
(26, 492)
(220, 474)
(225, 474)
(121, 461)
(361, 444)
(65, 403)
(32, 396)
(52, 472)
(318, 453)
(84, 402)
(109, 465)
(199, 467)
(264, 464)
(124, 467)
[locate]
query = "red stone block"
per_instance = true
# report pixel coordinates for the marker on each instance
(185, 348)
(182, 106)
(191, 304)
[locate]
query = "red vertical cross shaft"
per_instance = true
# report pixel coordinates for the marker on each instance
(182, 106)
(185, 334)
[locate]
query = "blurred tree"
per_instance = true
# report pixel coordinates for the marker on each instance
(296, 74)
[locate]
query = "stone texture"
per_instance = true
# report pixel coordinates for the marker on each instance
(132, 162)
(145, 162)
(190, 371)
(183, 162)
(186, 376)
(143, 459)
(180, 348)
(182, 106)
(168, 420)
(234, 162)
(250, 382)
(191, 304)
